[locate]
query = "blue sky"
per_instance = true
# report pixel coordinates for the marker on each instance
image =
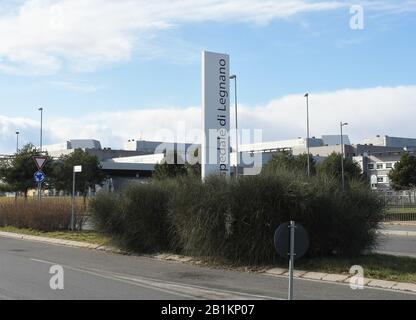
(131, 59)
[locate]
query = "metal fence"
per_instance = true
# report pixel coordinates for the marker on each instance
(403, 199)
(398, 216)
(401, 206)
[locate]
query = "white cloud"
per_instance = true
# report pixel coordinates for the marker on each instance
(381, 110)
(75, 86)
(43, 36)
(8, 127)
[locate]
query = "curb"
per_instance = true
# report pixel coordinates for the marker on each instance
(342, 278)
(309, 275)
(67, 243)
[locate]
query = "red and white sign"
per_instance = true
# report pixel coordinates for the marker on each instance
(40, 162)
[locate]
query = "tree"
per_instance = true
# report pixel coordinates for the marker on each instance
(16, 172)
(91, 175)
(403, 175)
(286, 160)
(332, 166)
(174, 166)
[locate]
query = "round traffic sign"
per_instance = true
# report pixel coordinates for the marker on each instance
(282, 240)
(39, 176)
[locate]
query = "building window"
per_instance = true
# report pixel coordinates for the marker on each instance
(380, 179)
(389, 165)
(380, 166)
(370, 166)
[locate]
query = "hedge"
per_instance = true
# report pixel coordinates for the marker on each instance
(236, 219)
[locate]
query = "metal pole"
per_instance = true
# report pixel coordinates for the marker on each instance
(73, 201)
(236, 126)
(17, 141)
(307, 129)
(41, 129)
(342, 159)
(39, 191)
(292, 227)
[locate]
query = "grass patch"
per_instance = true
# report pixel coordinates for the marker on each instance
(376, 266)
(401, 210)
(81, 236)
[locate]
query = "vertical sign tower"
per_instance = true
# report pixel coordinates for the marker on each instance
(215, 114)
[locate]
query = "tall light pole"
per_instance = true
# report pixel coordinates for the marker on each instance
(76, 169)
(307, 132)
(342, 124)
(41, 128)
(234, 77)
(17, 141)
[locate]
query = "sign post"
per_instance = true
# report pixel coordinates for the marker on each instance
(77, 169)
(39, 176)
(291, 241)
(215, 155)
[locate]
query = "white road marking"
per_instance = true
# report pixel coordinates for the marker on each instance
(180, 289)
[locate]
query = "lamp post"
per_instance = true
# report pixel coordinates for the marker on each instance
(76, 169)
(307, 132)
(342, 124)
(234, 77)
(17, 141)
(41, 128)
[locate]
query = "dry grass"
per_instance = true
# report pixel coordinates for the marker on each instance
(49, 214)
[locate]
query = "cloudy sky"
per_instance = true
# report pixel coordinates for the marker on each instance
(120, 69)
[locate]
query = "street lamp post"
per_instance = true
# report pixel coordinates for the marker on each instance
(342, 124)
(76, 169)
(234, 77)
(307, 132)
(17, 141)
(41, 128)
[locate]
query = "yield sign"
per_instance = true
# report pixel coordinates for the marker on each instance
(40, 162)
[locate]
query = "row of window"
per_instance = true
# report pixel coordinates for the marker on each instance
(380, 166)
(380, 180)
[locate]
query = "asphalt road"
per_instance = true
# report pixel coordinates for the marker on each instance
(89, 274)
(397, 245)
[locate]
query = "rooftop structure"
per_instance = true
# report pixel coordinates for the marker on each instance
(387, 141)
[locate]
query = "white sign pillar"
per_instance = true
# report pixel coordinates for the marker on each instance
(215, 155)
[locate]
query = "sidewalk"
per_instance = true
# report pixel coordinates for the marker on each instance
(309, 275)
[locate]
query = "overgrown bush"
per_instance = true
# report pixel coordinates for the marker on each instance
(49, 214)
(136, 218)
(236, 219)
(198, 216)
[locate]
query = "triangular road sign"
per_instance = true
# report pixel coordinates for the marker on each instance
(40, 162)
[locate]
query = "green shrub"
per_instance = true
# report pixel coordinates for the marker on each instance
(236, 219)
(198, 216)
(105, 213)
(136, 218)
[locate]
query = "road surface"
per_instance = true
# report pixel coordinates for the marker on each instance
(90, 274)
(397, 245)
